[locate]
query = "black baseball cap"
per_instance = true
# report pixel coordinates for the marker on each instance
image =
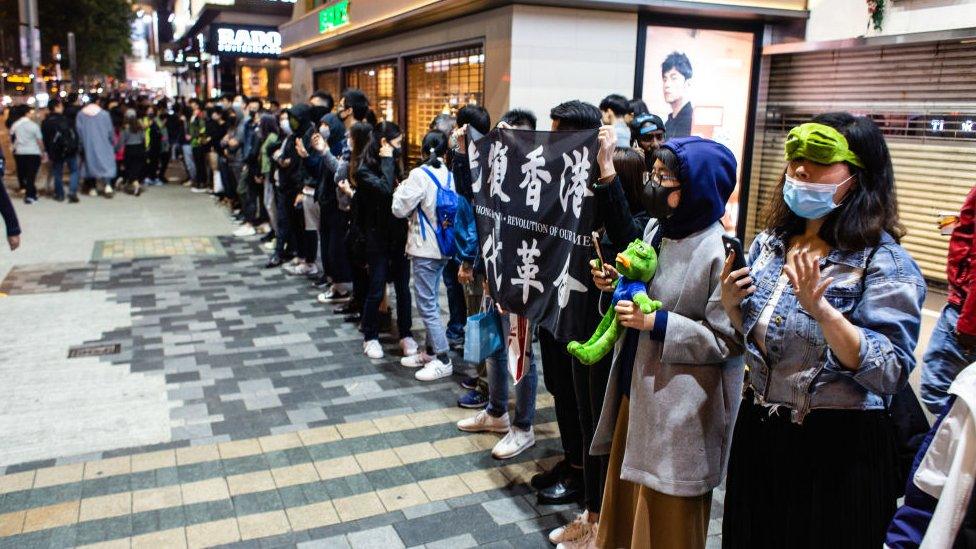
(647, 123)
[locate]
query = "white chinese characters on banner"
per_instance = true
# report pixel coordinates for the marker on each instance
(565, 284)
(499, 167)
(473, 158)
(528, 270)
(577, 187)
(535, 176)
(490, 251)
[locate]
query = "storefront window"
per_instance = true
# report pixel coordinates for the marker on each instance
(378, 82)
(441, 83)
(328, 81)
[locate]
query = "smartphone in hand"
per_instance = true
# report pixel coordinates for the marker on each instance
(732, 245)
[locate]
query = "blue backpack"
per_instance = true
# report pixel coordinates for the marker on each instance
(446, 212)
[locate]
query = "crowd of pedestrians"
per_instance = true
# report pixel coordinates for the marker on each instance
(783, 373)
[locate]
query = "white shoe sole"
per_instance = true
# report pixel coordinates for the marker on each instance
(510, 456)
(440, 376)
(501, 430)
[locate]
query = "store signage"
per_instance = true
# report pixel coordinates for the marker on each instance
(334, 16)
(246, 41)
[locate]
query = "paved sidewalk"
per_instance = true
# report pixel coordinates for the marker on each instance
(236, 410)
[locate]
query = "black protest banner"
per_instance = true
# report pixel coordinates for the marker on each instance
(534, 210)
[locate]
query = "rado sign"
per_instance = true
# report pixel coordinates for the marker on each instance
(246, 41)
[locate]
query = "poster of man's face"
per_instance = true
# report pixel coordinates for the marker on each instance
(697, 81)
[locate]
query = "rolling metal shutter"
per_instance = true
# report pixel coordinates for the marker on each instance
(924, 98)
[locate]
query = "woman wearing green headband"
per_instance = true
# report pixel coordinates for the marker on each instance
(829, 308)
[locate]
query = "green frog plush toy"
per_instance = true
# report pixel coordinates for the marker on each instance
(636, 265)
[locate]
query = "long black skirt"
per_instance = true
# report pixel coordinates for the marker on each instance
(828, 483)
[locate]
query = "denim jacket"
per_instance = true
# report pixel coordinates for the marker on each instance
(880, 294)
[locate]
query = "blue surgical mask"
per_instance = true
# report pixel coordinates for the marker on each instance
(810, 200)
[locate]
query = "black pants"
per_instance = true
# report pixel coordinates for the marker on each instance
(335, 258)
(153, 157)
(386, 264)
(164, 158)
(456, 304)
(200, 166)
(557, 375)
(135, 163)
(27, 166)
(286, 243)
(590, 387)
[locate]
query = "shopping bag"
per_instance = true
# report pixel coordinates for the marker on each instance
(482, 336)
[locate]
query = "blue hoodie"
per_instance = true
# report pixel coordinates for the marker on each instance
(707, 178)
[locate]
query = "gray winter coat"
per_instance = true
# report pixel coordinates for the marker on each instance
(94, 127)
(685, 391)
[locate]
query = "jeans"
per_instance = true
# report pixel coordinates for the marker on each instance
(943, 360)
(455, 301)
(191, 168)
(426, 280)
(271, 203)
(384, 263)
(498, 379)
(57, 170)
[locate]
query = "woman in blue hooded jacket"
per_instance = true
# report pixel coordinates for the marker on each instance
(830, 309)
(675, 379)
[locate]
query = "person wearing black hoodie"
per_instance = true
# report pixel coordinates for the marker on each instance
(61, 144)
(291, 240)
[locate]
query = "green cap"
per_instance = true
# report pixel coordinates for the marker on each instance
(819, 143)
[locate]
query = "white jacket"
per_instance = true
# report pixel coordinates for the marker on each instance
(946, 472)
(418, 190)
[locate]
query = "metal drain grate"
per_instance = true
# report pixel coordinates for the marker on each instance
(94, 350)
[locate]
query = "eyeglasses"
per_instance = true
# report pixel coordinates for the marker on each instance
(657, 178)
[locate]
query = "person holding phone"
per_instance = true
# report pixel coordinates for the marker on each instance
(377, 176)
(830, 308)
(675, 378)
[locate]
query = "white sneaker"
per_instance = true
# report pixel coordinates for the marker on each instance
(109, 191)
(408, 346)
(415, 361)
(373, 349)
(313, 271)
(268, 246)
(263, 228)
(93, 192)
(199, 190)
(299, 269)
(246, 230)
(574, 531)
(435, 369)
(332, 295)
(514, 443)
(483, 422)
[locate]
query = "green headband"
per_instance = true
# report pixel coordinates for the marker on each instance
(819, 143)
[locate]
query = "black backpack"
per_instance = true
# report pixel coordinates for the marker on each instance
(65, 141)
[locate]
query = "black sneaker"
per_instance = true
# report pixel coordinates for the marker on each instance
(73, 198)
(322, 283)
(275, 261)
(268, 237)
(456, 344)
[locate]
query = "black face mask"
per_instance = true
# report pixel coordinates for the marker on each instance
(654, 198)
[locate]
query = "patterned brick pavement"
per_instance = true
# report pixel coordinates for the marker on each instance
(238, 412)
